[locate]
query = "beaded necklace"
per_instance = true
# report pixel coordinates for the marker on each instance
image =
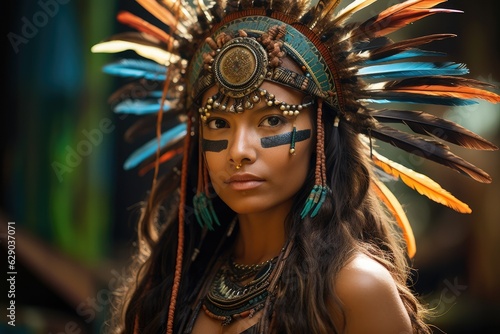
(229, 298)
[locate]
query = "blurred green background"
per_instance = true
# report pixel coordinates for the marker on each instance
(73, 207)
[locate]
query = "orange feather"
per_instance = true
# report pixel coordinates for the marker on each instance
(421, 183)
(163, 158)
(397, 211)
(462, 92)
(398, 16)
(143, 26)
(165, 16)
(414, 4)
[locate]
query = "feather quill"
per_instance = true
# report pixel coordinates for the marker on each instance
(411, 69)
(428, 149)
(393, 205)
(427, 124)
(424, 185)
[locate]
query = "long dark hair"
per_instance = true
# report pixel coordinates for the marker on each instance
(351, 221)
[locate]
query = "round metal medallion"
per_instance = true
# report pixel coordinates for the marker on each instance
(240, 66)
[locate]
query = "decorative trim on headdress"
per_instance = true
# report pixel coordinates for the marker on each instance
(319, 79)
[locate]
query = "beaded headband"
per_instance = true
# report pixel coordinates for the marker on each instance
(241, 64)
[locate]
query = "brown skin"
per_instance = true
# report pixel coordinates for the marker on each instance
(366, 288)
(371, 300)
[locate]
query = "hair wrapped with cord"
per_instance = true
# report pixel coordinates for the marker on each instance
(354, 68)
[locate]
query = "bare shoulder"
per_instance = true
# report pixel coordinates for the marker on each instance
(370, 298)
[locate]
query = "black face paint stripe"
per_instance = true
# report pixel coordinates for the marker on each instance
(285, 138)
(213, 145)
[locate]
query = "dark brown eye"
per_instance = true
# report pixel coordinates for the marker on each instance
(272, 121)
(217, 124)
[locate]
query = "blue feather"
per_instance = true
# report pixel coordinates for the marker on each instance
(411, 70)
(422, 99)
(156, 94)
(150, 147)
(140, 107)
(136, 68)
(405, 55)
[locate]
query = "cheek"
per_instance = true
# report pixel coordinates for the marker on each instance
(216, 165)
(290, 170)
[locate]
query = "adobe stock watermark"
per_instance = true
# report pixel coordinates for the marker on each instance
(90, 308)
(31, 26)
(85, 147)
(448, 296)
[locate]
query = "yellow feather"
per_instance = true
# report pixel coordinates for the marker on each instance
(150, 52)
(352, 8)
(421, 183)
(397, 211)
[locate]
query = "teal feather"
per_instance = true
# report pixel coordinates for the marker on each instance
(141, 107)
(414, 53)
(392, 97)
(135, 68)
(320, 201)
(205, 212)
(150, 147)
(309, 202)
(411, 70)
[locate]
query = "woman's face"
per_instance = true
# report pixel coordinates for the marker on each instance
(259, 141)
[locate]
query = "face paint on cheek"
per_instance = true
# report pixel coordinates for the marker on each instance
(284, 138)
(213, 145)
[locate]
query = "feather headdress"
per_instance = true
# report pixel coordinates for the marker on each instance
(354, 67)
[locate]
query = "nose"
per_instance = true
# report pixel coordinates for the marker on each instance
(242, 146)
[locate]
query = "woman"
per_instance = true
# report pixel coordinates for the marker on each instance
(270, 216)
(265, 187)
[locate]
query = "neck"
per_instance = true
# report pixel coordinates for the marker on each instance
(261, 236)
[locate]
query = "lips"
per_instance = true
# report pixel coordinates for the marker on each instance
(244, 181)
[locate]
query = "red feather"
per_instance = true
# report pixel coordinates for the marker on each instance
(144, 26)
